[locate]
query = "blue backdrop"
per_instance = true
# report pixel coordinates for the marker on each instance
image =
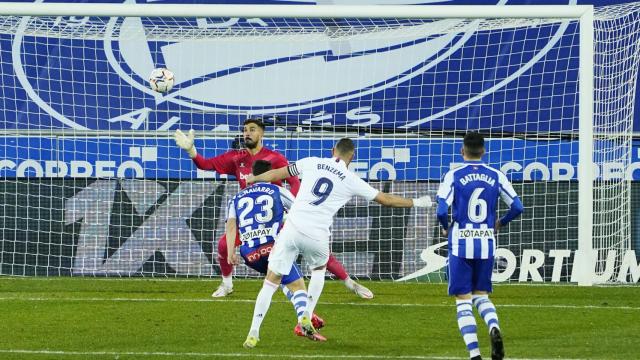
(91, 95)
(424, 159)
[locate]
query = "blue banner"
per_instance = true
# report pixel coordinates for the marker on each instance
(421, 81)
(376, 159)
(515, 80)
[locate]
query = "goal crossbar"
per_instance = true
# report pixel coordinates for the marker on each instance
(582, 13)
(298, 11)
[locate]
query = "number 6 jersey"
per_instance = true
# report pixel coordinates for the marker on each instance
(327, 185)
(472, 190)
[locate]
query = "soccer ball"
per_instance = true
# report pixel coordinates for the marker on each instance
(161, 80)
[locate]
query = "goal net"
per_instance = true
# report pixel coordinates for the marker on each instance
(94, 185)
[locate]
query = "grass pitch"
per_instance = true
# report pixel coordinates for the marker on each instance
(81, 318)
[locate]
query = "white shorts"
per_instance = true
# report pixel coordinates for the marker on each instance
(290, 243)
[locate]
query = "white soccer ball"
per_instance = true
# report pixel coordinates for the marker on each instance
(161, 80)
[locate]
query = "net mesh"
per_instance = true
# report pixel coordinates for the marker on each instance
(94, 185)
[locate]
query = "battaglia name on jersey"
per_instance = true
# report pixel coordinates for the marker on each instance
(477, 177)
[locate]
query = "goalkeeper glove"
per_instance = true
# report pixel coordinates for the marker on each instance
(424, 201)
(185, 141)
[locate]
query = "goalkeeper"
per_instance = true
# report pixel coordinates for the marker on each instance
(239, 163)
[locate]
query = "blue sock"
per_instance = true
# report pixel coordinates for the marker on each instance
(286, 292)
(467, 326)
(487, 311)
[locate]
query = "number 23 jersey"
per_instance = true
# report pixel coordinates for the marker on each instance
(327, 185)
(259, 212)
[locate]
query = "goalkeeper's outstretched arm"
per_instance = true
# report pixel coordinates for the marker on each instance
(185, 142)
(223, 163)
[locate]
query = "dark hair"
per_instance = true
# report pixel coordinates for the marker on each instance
(474, 144)
(345, 146)
(260, 166)
(238, 142)
(257, 121)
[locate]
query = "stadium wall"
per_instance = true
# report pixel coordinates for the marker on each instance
(49, 228)
(130, 227)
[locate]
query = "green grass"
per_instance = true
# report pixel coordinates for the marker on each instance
(78, 318)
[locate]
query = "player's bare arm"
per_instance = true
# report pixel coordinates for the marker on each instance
(231, 231)
(497, 226)
(270, 176)
(293, 181)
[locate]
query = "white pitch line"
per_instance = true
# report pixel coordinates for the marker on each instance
(258, 279)
(241, 355)
(531, 306)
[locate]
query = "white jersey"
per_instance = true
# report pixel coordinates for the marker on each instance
(327, 185)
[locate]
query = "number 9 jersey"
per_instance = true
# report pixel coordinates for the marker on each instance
(327, 185)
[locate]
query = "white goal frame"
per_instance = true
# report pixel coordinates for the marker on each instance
(584, 263)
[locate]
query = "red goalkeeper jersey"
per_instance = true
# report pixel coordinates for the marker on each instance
(239, 163)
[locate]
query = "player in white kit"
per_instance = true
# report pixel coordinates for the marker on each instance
(327, 185)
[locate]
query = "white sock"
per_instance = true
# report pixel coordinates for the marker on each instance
(349, 283)
(227, 281)
(316, 283)
(263, 301)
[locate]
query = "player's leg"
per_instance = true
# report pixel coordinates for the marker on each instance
(483, 268)
(317, 321)
(258, 260)
(254, 259)
(263, 301)
(295, 283)
(294, 275)
(287, 292)
(316, 284)
(226, 287)
(316, 253)
(282, 257)
(336, 268)
(460, 286)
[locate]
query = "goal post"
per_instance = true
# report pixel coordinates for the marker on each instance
(94, 186)
(584, 262)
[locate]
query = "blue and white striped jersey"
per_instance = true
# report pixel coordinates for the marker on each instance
(259, 212)
(472, 191)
